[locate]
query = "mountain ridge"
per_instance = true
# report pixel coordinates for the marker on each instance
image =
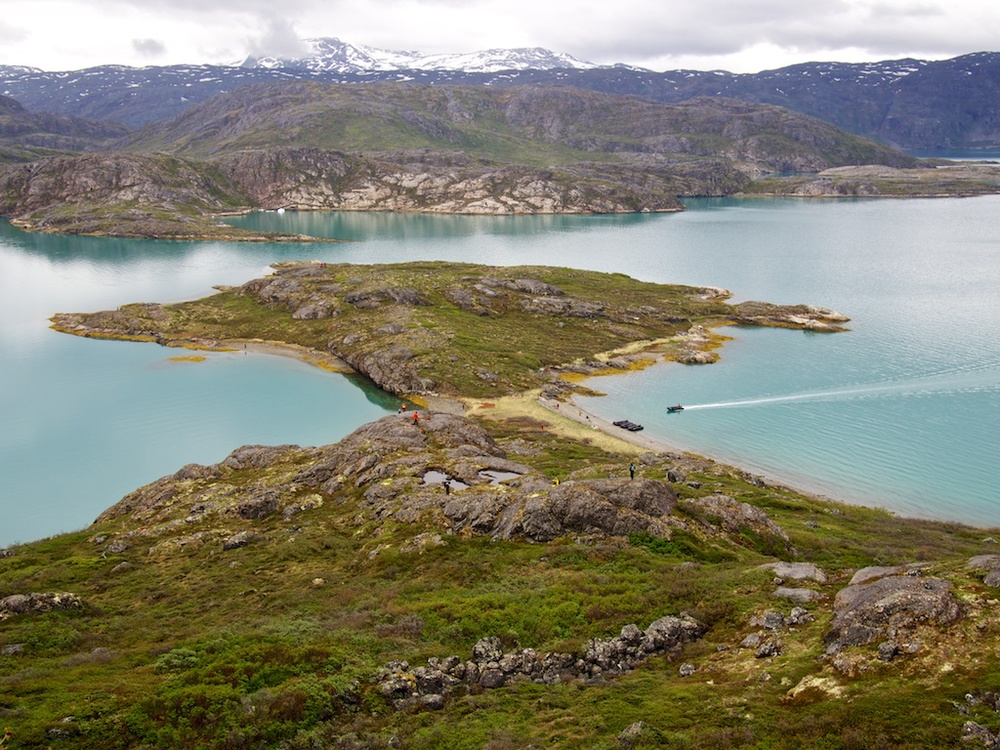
(908, 103)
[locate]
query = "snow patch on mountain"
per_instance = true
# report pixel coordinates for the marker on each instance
(331, 55)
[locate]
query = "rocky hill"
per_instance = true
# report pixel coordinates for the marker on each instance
(448, 582)
(541, 126)
(158, 195)
(129, 195)
(26, 136)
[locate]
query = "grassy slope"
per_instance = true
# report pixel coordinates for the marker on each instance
(191, 647)
(536, 126)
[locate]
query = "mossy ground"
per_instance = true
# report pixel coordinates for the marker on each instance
(273, 644)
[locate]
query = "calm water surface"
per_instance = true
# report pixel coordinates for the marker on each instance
(900, 412)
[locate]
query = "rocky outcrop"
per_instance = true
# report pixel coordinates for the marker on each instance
(396, 469)
(490, 667)
(437, 182)
(610, 507)
(796, 571)
(156, 195)
(740, 519)
(891, 608)
(33, 604)
(791, 316)
(989, 566)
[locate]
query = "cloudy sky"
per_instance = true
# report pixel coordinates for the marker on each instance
(736, 35)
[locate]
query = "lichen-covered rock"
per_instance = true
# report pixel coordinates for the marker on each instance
(973, 732)
(874, 572)
(242, 539)
(798, 595)
(798, 571)
(990, 564)
(740, 518)
(889, 608)
(387, 467)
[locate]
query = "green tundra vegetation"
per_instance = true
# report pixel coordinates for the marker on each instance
(177, 643)
(191, 617)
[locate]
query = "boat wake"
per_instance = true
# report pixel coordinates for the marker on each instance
(980, 379)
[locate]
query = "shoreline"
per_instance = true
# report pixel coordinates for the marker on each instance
(567, 418)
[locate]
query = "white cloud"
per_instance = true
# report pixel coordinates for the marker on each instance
(740, 35)
(149, 47)
(10, 34)
(279, 38)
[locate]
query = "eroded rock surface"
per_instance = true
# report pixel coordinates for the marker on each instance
(33, 604)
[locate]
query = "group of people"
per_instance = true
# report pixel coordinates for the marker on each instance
(416, 415)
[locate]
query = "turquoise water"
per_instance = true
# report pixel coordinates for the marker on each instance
(900, 412)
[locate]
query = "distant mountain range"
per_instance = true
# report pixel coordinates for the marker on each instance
(914, 104)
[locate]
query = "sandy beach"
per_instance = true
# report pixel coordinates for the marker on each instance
(565, 418)
(313, 357)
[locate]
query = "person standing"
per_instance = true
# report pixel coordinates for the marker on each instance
(631, 471)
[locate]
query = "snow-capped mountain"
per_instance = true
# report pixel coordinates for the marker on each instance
(331, 55)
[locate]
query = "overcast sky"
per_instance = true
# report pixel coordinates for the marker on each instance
(741, 36)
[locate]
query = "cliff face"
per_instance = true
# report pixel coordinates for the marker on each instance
(143, 195)
(453, 183)
(156, 195)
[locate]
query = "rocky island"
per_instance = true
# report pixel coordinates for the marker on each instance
(485, 573)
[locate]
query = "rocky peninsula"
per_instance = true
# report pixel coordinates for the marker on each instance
(431, 329)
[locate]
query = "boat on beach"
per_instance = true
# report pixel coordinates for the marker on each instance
(627, 425)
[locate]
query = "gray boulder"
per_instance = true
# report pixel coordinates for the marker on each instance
(889, 608)
(990, 564)
(878, 571)
(797, 571)
(797, 595)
